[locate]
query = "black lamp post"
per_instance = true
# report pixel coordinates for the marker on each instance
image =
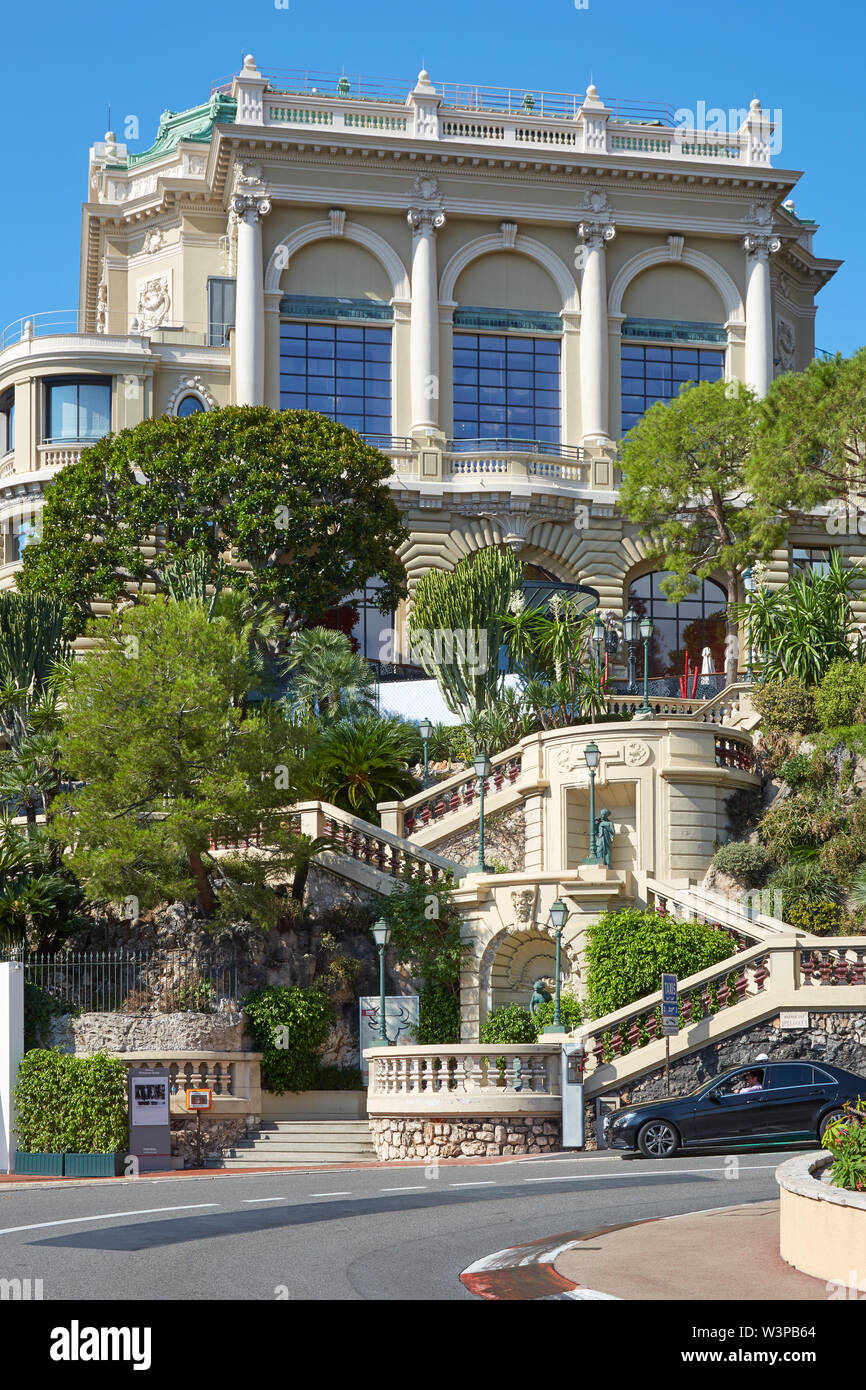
(481, 764)
(630, 631)
(425, 729)
(381, 935)
(646, 632)
(591, 756)
(559, 917)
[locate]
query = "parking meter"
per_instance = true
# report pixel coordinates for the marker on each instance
(573, 1122)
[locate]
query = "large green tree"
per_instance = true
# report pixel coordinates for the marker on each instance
(300, 502)
(684, 484)
(811, 443)
(169, 762)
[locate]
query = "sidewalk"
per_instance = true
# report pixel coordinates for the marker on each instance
(731, 1253)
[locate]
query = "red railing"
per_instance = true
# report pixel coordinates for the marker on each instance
(447, 802)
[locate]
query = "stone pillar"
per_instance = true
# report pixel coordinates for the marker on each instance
(425, 221)
(249, 207)
(759, 246)
(11, 1052)
(593, 231)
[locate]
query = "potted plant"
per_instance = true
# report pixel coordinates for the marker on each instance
(70, 1114)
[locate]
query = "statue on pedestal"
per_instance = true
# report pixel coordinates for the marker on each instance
(539, 996)
(604, 832)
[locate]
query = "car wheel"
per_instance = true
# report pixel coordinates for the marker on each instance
(658, 1139)
(828, 1120)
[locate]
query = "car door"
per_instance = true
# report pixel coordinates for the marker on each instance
(793, 1095)
(731, 1115)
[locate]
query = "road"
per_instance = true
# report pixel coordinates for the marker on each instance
(395, 1233)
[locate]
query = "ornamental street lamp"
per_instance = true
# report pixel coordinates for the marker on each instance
(381, 935)
(598, 635)
(646, 632)
(481, 764)
(425, 729)
(749, 593)
(630, 631)
(591, 756)
(559, 917)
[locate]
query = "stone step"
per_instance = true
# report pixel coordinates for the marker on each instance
(314, 1161)
(324, 1127)
(276, 1150)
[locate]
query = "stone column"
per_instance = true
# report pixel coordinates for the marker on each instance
(593, 232)
(759, 246)
(249, 208)
(424, 327)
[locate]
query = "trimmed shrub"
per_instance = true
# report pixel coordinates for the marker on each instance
(821, 917)
(289, 1026)
(841, 697)
(628, 951)
(71, 1104)
(438, 1015)
(787, 706)
(510, 1023)
(747, 864)
(570, 1011)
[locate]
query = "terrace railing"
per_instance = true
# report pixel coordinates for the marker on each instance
(133, 981)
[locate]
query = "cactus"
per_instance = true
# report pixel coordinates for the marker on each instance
(456, 627)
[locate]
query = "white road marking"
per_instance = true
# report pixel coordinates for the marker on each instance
(105, 1216)
(644, 1173)
(488, 1182)
(418, 1188)
(248, 1200)
(329, 1194)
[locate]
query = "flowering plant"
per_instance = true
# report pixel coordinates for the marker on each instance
(846, 1140)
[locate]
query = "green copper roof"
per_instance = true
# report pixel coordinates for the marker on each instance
(196, 124)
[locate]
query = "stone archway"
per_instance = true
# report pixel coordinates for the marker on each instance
(512, 961)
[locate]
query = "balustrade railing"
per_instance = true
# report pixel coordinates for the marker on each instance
(232, 1076)
(735, 753)
(471, 1078)
(838, 964)
(457, 793)
(368, 847)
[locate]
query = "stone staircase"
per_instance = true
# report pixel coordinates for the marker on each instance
(303, 1143)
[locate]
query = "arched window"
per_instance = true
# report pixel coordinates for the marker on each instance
(189, 405)
(681, 629)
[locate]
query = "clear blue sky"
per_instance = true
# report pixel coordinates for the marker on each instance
(65, 64)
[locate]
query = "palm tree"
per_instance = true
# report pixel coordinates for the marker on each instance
(362, 761)
(328, 679)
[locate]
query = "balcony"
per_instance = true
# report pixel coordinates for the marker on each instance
(465, 461)
(65, 330)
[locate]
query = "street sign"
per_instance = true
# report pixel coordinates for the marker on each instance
(670, 984)
(201, 1098)
(670, 1025)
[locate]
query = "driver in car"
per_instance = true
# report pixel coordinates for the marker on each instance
(754, 1082)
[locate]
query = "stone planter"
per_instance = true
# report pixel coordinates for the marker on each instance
(822, 1229)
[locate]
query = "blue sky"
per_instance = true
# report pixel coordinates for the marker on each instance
(65, 64)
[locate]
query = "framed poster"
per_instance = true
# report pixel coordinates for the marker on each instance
(149, 1101)
(401, 1017)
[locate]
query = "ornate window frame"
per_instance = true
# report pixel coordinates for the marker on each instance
(191, 386)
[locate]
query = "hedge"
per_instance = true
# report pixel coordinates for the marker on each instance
(71, 1104)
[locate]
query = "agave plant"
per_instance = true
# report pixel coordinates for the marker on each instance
(31, 643)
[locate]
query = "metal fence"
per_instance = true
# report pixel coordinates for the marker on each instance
(133, 981)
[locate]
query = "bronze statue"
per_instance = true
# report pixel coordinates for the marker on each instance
(539, 996)
(604, 832)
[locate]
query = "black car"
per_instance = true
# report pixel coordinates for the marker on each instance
(756, 1106)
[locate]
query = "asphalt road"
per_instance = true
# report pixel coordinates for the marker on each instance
(395, 1233)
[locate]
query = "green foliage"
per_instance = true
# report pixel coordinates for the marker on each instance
(39, 896)
(358, 762)
(298, 498)
(571, 1012)
(328, 680)
(800, 823)
(841, 697)
(743, 810)
(31, 645)
(456, 628)
(786, 706)
(629, 950)
(425, 932)
(39, 1009)
(802, 882)
(818, 916)
(846, 1141)
(805, 770)
(804, 627)
(171, 763)
(329, 1078)
(748, 864)
(290, 1026)
(438, 1015)
(70, 1104)
(510, 1023)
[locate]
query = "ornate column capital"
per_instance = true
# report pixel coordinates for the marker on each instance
(426, 214)
(425, 220)
(250, 207)
(596, 225)
(760, 245)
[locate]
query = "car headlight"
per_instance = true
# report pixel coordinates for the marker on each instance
(619, 1118)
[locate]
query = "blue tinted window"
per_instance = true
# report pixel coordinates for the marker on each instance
(652, 374)
(506, 387)
(342, 372)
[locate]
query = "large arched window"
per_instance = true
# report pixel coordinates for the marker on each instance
(681, 629)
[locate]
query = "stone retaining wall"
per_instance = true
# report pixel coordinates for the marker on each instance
(441, 1137)
(116, 1033)
(217, 1136)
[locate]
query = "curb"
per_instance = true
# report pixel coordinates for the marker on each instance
(526, 1273)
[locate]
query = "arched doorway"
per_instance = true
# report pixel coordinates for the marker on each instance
(681, 631)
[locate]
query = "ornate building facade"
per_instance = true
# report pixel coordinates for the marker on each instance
(491, 285)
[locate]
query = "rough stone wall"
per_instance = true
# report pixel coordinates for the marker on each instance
(837, 1038)
(116, 1033)
(504, 841)
(217, 1135)
(443, 1137)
